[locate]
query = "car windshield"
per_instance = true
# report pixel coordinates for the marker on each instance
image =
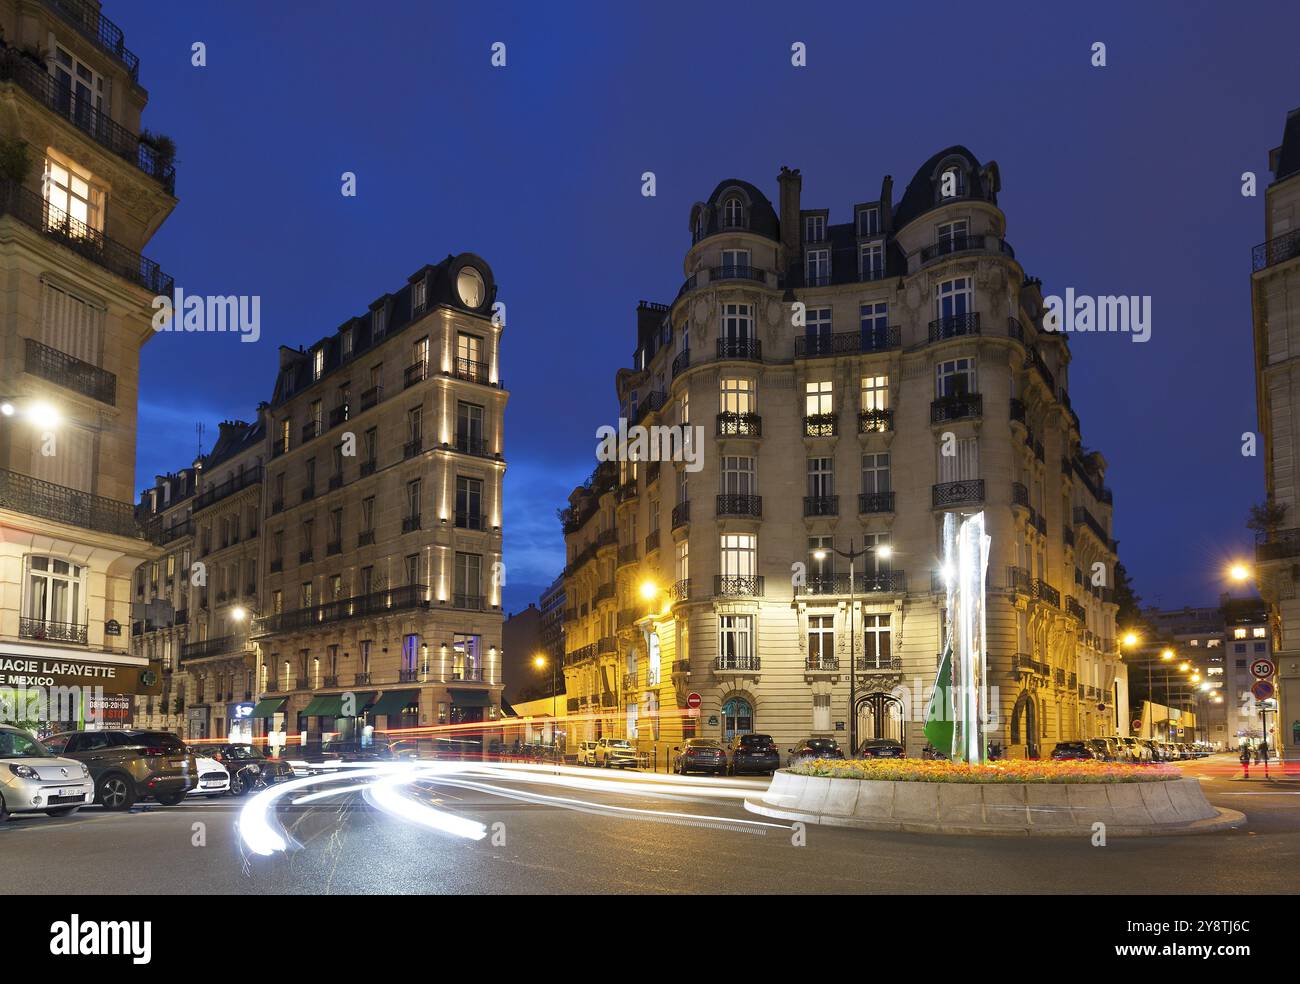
(19, 744)
(756, 740)
(703, 743)
(241, 752)
(821, 743)
(618, 743)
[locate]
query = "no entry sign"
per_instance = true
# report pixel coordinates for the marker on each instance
(693, 701)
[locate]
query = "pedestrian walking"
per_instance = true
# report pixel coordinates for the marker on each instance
(1263, 755)
(1245, 761)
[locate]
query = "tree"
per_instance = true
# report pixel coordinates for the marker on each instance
(1128, 600)
(1266, 517)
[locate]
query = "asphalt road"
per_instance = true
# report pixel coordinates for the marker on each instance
(624, 838)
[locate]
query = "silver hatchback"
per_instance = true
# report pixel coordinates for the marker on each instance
(32, 780)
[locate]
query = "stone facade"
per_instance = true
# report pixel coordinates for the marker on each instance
(851, 384)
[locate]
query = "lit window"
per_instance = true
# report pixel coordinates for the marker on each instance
(1239, 633)
(75, 197)
(1259, 633)
(55, 598)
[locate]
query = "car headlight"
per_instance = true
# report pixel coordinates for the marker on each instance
(24, 771)
(85, 771)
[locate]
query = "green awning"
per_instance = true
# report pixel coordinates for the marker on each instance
(394, 701)
(331, 705)
(471, 698)
(268, 706)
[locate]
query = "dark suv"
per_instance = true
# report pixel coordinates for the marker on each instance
(249, 768)
(754, 753)
(815, 748)
(126, 766)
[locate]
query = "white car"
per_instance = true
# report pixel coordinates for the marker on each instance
(214, 778)
(33, 781)
(587, 752)
(615, 753)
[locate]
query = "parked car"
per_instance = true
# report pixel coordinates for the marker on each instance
(753, 754)
(249, 767)
(814, 748)
(214, 778)
(611, 752)
(882, 748)
(34, 780)
(1133, 750)
(1073, 751)
(1105, 749)
(700, 755)
(1154, 752)
(128, 766)
(587, 752)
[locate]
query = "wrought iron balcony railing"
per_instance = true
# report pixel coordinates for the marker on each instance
(740, 348)
(821, 663)
(821, 505)
(745, 664)
(821, 425)
(87, 18)
(814, 346)
(733, 424)
(732, 586)
(681, 514)
(875, 421)
(36, 497)
(731, 504)
(219, 646)
(1276, 250)
(46, 630)
(875, 502)
(1277, 544)
(737, 272)
(98, 125)
(969, 492)
(966, 406)
(471, 370)
(378, 602)
(70, 372)
(681, 362)
(879, 664)
(222, 490)
(954, 326)
(34, 211)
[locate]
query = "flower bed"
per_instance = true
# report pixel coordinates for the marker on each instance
(1006, 771)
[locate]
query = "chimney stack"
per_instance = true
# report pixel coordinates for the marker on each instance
(791, 184)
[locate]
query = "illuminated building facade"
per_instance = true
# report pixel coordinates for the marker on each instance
(852, 383)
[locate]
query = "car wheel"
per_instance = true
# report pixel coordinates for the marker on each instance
(4, 811)
(170, 799)
(115, 792)
(62, 811)
(236, 786)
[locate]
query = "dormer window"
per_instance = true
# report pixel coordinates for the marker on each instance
(952, 183)
(378, 322)
(318, 363)
(733, 213)
(417, 296)
(869, 221)
(345, 343)
(699, 226)
(814, 228)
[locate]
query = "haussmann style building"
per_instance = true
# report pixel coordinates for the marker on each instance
(83, 188)
(919, 333)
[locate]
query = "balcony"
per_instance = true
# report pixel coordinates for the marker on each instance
(627, 555)
(626, 492)
(309, 493)
(681, 363)
(816, 346)
(472, 444)
(821, 505)
(48, 631)
(412, 447)
(220, 646)
(964, 406)
(331, 549)
(821, 425)
(732, 586)
(222, 490)
(277, 565)
(961, 244)
(277, 506)
(681, 590)
(737, 272)
(652, 542)
(58, 503)
(736, 664)
(468, 602)
(408, 674)
(1277, 544)
(1082, 517)
(410, 523)
(875, 502)
(339, 415)
(408, 597)
(966, 493)
(335, 482)
(821, 664)
(1019, 495)
(746, 506)
(466, 520)
(1077, 610)
(174, 532)
(954, 326)
(1015, 330)
(681, 514)
(365, 538)
(310, 431)
(306, 556)
(98, 125)
(368, 468)
(32, 210)
(466, 674)
(1043, 591)
(371, 397)
(361, 680)
(875, 421)
(740, 348)
(86, 18)
(733, 424)
(471, 371)
(878, 664)
(415, 373)
(69, 372)
(1277, 250)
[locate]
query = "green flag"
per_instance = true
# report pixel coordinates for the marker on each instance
(938, 725)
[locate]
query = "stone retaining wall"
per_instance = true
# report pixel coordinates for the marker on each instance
(1171, 806)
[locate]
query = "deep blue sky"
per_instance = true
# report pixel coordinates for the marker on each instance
(1116, 180)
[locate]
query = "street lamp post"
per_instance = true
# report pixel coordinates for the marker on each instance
(852, 555)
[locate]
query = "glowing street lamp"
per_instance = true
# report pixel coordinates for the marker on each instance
(1130, 639)
(1239, 573)
(649, 589)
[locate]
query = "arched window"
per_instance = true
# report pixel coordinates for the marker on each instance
(54, 606)
(733, 213)
(737, 718)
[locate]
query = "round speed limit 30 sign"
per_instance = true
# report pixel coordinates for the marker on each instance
(1262, 669)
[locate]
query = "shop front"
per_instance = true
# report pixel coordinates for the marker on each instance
(55, 690)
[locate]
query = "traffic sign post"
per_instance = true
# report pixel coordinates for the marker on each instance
(693, 701)
(1262, 669)
(1261, 690)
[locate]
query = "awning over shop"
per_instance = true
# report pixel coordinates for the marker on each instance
(393, 702)
(471, 698)
(268, 706)
(331, 705)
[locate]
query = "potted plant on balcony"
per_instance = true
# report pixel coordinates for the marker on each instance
(15, 163)
(163, 146)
